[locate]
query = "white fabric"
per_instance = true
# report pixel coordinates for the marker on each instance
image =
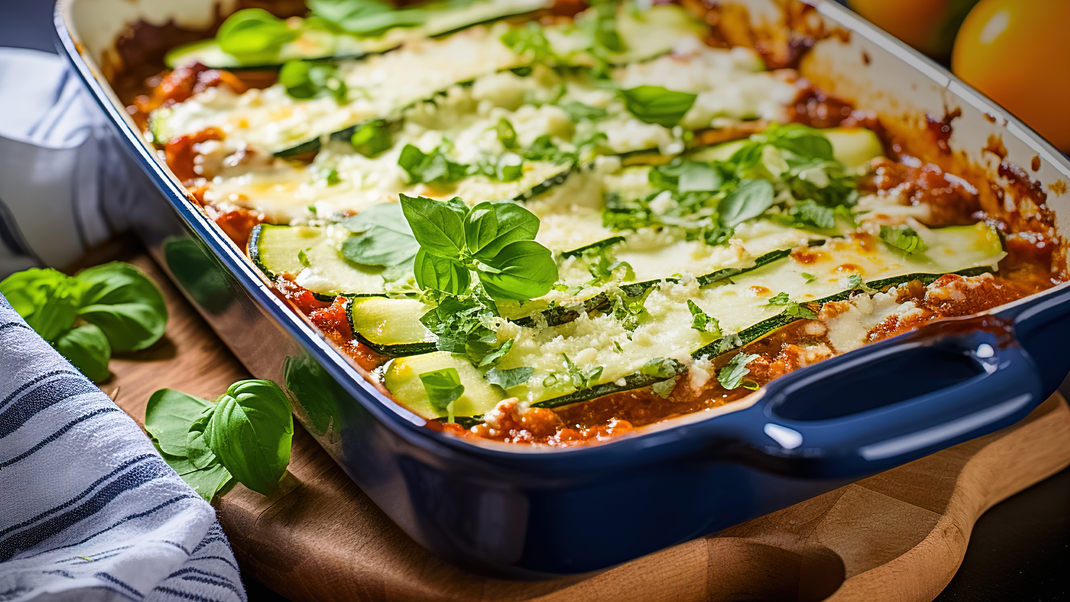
(88, 510)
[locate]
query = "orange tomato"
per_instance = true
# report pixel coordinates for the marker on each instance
(1016, 52)
(927, 25)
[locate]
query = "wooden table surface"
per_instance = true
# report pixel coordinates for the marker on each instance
(899, 535)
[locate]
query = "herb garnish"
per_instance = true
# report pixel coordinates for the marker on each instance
(658, 105)
(732, 374)
(904, 238)
(365, 18)
(494, 240)
(701, 321)
(443, 387)
(253, 35)
(304, 80)
(381, 237)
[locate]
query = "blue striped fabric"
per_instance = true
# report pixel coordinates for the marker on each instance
(88, 509)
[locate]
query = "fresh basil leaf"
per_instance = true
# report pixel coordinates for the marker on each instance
(683, 175)
(382, 237)
(506, 133)
(443, 387)
(779, 299)
(436, 225)
(664, 388)
(208, 481)
(252, 430)
(304, 80)
(480, 227)
(577, 112)
(432, 167)
(544, 149)
(512, 223)
(732, 374)
(662, 367)
(801, 140)
(372, 138)
(808, 214)
(509, 378)
(124, 303)
(440, 274)
(658, 105)
(796, 310)
(337, 11)
(529, 40)
(856, 283)
(904, 238)
(496, 355)
(168, 415)
(748, 200)
(253, 35)
(701, 321)
(87, 349)
(526, 270)
(197, 447)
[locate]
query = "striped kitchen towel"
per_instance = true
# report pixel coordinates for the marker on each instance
(88, 509)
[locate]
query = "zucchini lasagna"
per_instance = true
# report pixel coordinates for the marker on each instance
(554, 222)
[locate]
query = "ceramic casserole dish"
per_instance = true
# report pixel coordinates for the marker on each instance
(523, 513)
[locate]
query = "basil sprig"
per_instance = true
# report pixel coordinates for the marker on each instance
(104, 309)
(732, 375)
(245, 435)
(495, 241)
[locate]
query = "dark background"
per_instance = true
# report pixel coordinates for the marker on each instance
(1019, 550)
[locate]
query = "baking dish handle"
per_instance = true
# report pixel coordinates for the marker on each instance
(876, 408)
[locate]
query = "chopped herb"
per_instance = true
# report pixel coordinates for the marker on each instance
(779, 299)
(330, 178)
(577, 112)
(748, 200)
(372, 139)
(662, 367)
(495, 356)
(529, 40)
(580, 378)
(664, 388)
(809, 277)
(365, 18)
(254, 36)
(304, 80)
(732, 374)
(856, 283)
(796, 310)
(903, 238)
(701, 321)
(433, 167)
(507, 379)
(506, 133)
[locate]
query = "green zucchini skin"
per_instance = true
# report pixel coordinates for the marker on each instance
(400, 350)
(759, 330)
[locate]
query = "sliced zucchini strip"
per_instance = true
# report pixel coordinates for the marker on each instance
(391, 326)
(278, 250)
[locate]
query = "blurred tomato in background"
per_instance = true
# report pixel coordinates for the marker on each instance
(927, 25)
(1016, 52)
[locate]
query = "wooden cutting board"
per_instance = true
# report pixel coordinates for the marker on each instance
(898, 536)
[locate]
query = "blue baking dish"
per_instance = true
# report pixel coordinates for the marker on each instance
(516, 513)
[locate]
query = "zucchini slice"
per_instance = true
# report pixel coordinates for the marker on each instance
(278, 250)
(315, 43)
(402, 378)
(391, 327)
(855, 147)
